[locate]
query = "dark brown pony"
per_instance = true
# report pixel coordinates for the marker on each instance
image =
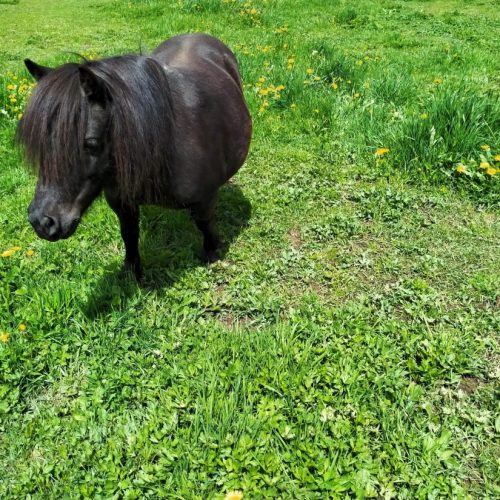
(167, 129)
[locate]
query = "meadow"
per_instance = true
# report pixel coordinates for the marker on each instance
(346, 346)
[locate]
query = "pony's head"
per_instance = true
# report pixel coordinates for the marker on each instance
(65, 134)
(91, 126)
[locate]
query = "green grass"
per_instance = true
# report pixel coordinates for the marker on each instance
(347, 344)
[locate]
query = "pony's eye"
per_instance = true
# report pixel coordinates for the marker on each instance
(91, 145)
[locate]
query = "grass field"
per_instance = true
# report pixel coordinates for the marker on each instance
(346, 346)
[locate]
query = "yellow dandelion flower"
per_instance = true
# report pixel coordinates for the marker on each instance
(22, 327)
(438, 81)
(491, 171)
(263, 91)
(349, 82)
(356, 95)
(334, 86)
(485, 147)
(381, 151)
(234, 495)
(19, 116)
(484, 164)
(11, 87)
(30, 253)
(293, 105)
(366, 85)
(424, 116)
(7, 253)
(309, 71)
(279, 88)
(262, 79)
(496, 157)
(15, 248)
(360, 62)
(291, 60)
(460, 169)
(253, 11)
(4, 337)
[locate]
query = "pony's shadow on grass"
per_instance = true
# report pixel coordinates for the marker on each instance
(170, 245)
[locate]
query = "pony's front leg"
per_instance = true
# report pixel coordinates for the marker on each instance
(128, 215)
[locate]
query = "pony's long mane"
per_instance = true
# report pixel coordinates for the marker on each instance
(53, 127)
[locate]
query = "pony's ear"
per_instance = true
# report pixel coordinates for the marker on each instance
(36, 70)
(91, 86)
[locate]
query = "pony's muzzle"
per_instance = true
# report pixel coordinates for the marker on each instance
(46, 226)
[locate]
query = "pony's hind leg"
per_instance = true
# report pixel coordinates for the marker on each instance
(204, 217)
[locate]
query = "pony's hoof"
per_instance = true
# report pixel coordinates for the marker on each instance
(131, 270)
(209, 256)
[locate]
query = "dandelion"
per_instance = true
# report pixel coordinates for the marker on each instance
(7, 253)
(15, 248)
(460, 169)
(496, 157)
(22, 327)
(438, 81)
(484, 164)
(334, 86)
(30, 253)
(293, 105)
(309, 71)
(234, 495)
(491, 171)
(366, 85)
(485, 147)
(359, 62)
(4, 337)
(424, 116)
(262, 79)
(381, 151)
(356, 95)
(11, 87)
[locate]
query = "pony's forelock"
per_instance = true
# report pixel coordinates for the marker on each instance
(53, 126)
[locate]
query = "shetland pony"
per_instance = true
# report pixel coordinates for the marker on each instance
(166, 129)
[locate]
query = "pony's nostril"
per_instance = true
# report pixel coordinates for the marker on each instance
(49, 224)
